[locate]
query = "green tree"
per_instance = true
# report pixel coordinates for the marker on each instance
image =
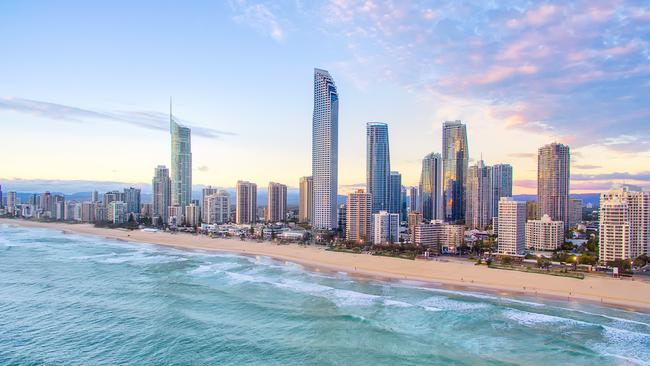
(543, 262)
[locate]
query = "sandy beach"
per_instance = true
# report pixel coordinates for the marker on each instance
(632, 294)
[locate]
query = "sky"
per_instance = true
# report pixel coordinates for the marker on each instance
(85, 87)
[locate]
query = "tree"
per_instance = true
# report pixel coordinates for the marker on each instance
(641, 261)
(567, 246)
(623, 265)
(543, 262)
(506, 260)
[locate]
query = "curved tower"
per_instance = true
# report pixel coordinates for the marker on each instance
(430, 201)
(181, 167)
(324, 148)
(455, 154)
(378, 166)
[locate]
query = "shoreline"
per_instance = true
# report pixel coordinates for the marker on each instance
(627, 294)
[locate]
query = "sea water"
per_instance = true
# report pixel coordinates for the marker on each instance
(81, 300)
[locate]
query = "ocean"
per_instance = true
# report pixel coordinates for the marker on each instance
(68, 299)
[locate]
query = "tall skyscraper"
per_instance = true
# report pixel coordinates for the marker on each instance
(575, 211)
(217, 208)
(94, 196)
(501, 181)
(478, 196)
(11, 202)
(378, 165)
(1, 198)
(624, 223)
(246, 208)
(325, 140)
(512, 226)
(413, 204)
(553, 164)
(132, 200)
(430, 192)
(276, 203)
(395, 196)
(403, 213)
(161, 193)
(205, 192)
(385, 227)
(455, 155)
(181, 168)
(306, 194)
(359, 212)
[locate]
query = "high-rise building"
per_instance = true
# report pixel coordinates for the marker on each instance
(624, 223)
(246, 207)
(414, 219)
(501, 181)
(385, 228)
(455, 155)
(146, 210)
(181, 168)
(175, 215)
(395, 196)
(325, 142)
(430, 235)
(430, 190)
(217, 208)
(117, 212)
(358, 216)
(94, 196)
(553, 164)
(11, 202)
(403, 204)
(101, 212)
(58, 207)
(88, 211)
(531, 210)
(192, 215)
(378, 165)
(413, 199)
(161, 193)
(575, 211)
(544, 234)
(511, 230)
(276, 203)
(341, 214)
(132, 200)
(205, 192)
(46, 203)
(478, 196)
(113, 196)
(306, 194)
(1, 198)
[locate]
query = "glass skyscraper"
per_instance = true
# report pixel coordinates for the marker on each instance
(181, 167)
(378, 166)
(324, 160)
(395, 198)
(501, 185)
(455, 154)
(430, 200)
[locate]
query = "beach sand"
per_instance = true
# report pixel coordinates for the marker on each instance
(631, 294)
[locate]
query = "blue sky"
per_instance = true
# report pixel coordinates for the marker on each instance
(85, 86)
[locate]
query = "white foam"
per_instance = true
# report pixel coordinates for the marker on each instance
(530, 318)
(443, 303)
(624, 344)
(214, 268)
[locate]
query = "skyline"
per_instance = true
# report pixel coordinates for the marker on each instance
(89, 112)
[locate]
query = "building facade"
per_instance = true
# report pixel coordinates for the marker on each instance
(324, 163)
(455, 155)
(624, 223)
(501, 182)
(305, 207)
(181, 166)
(395, 196)
(478, 198)
(161, 199)
(132, 200)
(575, 211)
(544, 234)
(276, 203)
(553, 177)
(511, 230)
(378, 165)
(358, 216)
(430, 191)
(385, 228)
(246, 205)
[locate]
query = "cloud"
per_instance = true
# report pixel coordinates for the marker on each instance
(561, 68)
(259, 17)
(144, 119)
(640, 176)
(522, 155)
(202, 168)
(586, 166)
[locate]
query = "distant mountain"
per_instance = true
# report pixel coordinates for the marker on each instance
(593, 198)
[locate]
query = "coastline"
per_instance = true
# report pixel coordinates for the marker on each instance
(628, 294)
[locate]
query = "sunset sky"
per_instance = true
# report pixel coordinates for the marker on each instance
(85, 86)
